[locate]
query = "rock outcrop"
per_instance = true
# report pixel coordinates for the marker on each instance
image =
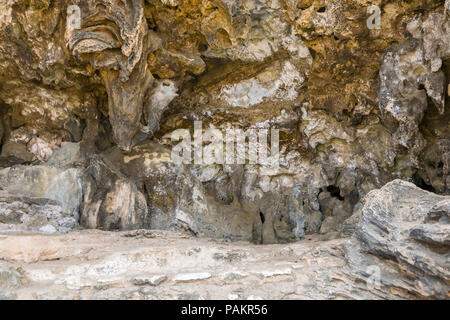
(403, 234)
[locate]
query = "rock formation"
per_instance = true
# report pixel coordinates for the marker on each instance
(92, 94)
(404, 232)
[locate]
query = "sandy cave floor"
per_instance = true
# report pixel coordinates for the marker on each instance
(166, 265)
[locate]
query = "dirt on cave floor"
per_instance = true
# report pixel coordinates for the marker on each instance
(144, 264)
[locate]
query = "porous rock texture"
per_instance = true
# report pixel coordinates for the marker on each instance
(88, 111)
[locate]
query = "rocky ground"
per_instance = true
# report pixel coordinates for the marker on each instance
(165, 265)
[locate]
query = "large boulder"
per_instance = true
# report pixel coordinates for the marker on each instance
(402, 242)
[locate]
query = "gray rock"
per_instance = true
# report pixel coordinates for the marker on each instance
(436, 165)
(176, 199)
(349, 225)
(396, 237)
(187, 277)
(9, 278)
(330, 224)
(68, 155)
(111, 201)
(403, 94)
(21, 213)
(234, 275)
(440, 212)
(35, 196)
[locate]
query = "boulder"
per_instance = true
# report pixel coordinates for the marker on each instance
(401, 242)
(176, 199)
(40, 198)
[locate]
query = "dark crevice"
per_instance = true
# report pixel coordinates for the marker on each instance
(312, 52)
(153, 27)
(202, 47)
(335, 192)
(262, 217)
(420, 182)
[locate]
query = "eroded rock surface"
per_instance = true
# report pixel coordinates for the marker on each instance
(399, 250)
(404, 232)
(87, 113)
(40, 198)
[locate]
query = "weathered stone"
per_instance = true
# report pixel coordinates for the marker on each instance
(10, 279)
(68, 155)
(91, 109)
(111, 201)
(307, 68)
(395, 237)
(152, 281)
(124, 70)
(45, 195)
(186, 277)
(21, 213)
(349, 225)
(410, 72)
(95, 264)
(234, 275)
(274, 272)
(176, 199)
(17, 150)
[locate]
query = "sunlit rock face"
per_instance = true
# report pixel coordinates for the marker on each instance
(355, 108)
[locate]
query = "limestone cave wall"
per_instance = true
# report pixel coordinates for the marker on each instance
(87, 111)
